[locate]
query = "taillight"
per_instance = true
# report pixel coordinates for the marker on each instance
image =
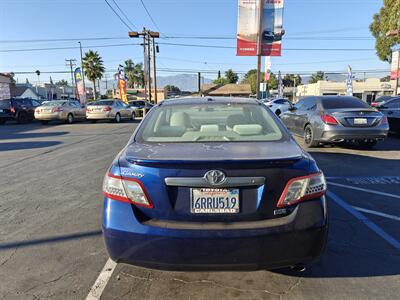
(303, 188)
(12, 109)
(57, 109)
(107, 108)
(329, 120)
(37, 110)
(374, 104)
(384, 121)
(126, 190)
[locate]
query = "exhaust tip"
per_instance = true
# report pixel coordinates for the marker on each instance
(299, 268)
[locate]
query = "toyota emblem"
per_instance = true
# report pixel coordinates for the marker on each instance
(215, 177)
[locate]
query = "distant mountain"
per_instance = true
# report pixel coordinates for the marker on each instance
(185, 82)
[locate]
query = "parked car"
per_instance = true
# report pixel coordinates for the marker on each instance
(279, 105)
(60, 110)
(381, 100)
(336, 119)
(21, 110)
(213, 183)
(139, 105)
(113, 110)
(391, 109)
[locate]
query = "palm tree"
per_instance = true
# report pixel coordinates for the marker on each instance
(93, 67)
(133, 73)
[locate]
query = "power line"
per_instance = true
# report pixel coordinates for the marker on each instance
(123, 13)
(151, 18)
(119, 17)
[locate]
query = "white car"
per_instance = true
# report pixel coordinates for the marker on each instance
(278, 106)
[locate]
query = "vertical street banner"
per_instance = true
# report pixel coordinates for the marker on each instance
(79, 86)
(280, 86)
(267, 71)
(395, 69)
(122, 85)
(349, 82)
(248, 26)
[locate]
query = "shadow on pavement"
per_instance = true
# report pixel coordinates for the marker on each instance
(50, 240)
(26, 145)
(31, 135)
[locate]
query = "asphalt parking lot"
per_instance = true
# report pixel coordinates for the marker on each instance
(50, 225)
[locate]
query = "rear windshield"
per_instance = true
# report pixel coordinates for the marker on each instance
(343, 102)
(4, 104)
(54, 103)
(209, 123)
(109, 102)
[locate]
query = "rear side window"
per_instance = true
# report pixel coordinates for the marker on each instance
(104, 103)
(209, 123)
(343, 102)
(4, 104)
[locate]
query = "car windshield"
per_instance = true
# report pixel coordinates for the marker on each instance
(54, 103)
(106, 102)
(343, 102)
(210, 123)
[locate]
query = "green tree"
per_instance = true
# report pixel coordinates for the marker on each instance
(221, 81)
(290, 79)
(133, 73)
(172, 88)
(317, 77)
(62, 83)
(93, 68)
(231, 76)
(387, 19)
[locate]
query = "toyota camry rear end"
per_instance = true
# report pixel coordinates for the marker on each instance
(214, 184)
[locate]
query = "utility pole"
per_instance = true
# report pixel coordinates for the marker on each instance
(294, 89)
(82, 71)
(259, 46)
(199, 82)
(147, 35)
(72, 63)
(154, 72)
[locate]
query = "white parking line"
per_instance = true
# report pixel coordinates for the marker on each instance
(371, 225)
(101, 281)
(377, 213)
(364, 190)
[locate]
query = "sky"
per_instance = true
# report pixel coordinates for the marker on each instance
(308, 23)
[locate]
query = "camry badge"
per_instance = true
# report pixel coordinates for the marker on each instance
(215, 177)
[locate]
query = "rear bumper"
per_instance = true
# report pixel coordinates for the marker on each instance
(348, 134)
(50, 117)
(103, 116)
(300, 240)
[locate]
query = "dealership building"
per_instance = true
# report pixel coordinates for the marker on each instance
(367, 90)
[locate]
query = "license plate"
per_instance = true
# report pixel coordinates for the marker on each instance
(360, 121)
(214, 201)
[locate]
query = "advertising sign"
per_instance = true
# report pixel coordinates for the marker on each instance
(267, 73)
(248, 26)
(122, 85)
(349, 82)
(395, 70)
(79, 86)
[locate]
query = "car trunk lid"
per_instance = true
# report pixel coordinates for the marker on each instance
(356, 117)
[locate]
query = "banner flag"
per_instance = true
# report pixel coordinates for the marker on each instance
(272, 27)
(122, 85)
(280, 85)
(349, 82)
(267, 71)
(395, 70)
(79, 86)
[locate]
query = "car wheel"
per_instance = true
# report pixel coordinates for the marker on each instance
(133, 116)
(22, 118)
(44, 122)
(70, 119)
(309, 138)
(278, 112)
(2, 121)
(367, 145)
(93, 121)
(117, 118)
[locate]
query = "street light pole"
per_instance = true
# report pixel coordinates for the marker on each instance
(259, 46)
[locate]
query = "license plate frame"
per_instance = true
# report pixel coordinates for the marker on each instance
(214, 201)
(360, 121)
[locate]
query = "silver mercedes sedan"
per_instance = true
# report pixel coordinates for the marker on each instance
(109, 109)
(336, 119)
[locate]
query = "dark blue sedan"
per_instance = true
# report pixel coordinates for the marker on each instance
(214, 184)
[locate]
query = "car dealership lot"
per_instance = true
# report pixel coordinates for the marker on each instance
(50, 234)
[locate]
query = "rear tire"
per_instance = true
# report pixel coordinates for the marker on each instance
(22, 118)
(44, 122)
(70, 119)
(93, 121)
(278, 112)
(2, 121)
(133, 116)
(117, 118)
(309, 138)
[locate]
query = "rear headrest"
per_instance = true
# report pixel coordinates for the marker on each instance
(209, 128)
(249, 129)
(180, 119)
(237, 119)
